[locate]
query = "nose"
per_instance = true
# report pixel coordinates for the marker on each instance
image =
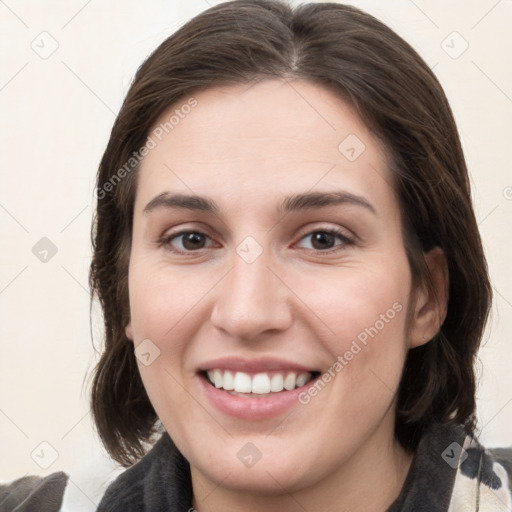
(252, 300)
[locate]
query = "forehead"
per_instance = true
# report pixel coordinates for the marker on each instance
(262, 139)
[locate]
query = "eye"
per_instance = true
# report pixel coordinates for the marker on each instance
(190, 241)
(323, 240)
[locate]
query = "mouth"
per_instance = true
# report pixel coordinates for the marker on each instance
(258, 384)
(255, 389)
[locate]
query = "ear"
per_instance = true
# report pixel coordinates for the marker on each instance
(129, 331)
(431, 306)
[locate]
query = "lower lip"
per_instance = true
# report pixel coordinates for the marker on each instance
(247, 408)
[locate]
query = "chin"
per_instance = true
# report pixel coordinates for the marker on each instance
(240, 466)
(263, 478)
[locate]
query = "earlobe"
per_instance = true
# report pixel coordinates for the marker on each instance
(129, 331)
(431, 301)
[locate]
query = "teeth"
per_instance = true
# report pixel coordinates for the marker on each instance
(243, 383)
(289, 382)
(302, 378)
(260, 383)
(229, 381)
(217, 378)
(276, 384)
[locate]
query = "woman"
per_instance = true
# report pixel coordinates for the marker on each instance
(292, 279)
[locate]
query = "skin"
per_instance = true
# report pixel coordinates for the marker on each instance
(246, 147)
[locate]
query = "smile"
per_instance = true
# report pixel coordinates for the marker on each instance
(254, 389)
(261, 384)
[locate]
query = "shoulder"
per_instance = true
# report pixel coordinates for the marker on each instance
(159, 481)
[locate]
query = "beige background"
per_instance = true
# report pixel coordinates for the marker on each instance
(57, 113)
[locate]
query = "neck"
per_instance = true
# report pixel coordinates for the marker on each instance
(371, 480)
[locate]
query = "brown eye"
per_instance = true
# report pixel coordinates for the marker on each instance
(190, 241)
(325, 239)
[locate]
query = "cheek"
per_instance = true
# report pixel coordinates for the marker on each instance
(368, 350)
(164, 308)
(161, 298)
(364, 315)
(351, 300)
(156, 308)
(161, 313)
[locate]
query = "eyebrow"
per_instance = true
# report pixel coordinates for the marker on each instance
(295, 202)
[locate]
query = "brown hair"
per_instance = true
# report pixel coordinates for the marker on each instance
(400, 100)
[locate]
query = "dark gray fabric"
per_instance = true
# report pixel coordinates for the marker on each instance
(34, 493)
(159, 482)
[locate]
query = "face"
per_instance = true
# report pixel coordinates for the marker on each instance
(269, 312)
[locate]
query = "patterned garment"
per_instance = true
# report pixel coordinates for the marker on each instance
(452, 472)
(484, 480)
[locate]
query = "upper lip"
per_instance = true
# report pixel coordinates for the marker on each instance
(262, 364)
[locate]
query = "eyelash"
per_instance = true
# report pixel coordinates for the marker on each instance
(167, 239)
